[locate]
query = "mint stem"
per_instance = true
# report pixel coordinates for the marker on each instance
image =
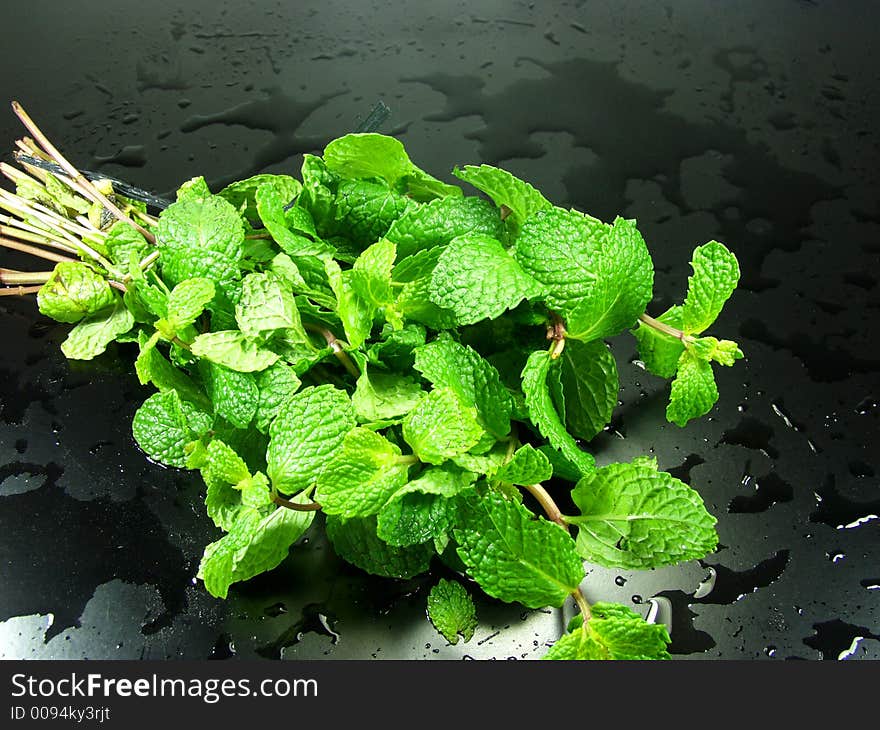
(665, 328)
(19, 291)
(296, 506)
(337, 348)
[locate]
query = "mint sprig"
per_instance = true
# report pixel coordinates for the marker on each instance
(423, 366)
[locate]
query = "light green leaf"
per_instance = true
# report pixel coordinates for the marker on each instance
(122, 242)
(381, 396)
(660, 352)
(187, 301)
(254, 545)
(367, 155)
(520, 198)
(205, 224)
(271, 199)
(152, 367)
(356, 313)
(307, 431)
(528, 466)
(597, 277)
(356, 542)
(233, 350)
(716, 273)
(514, 556)
(693, 392)
(438, 222)
(476, 278)
(74, 291)
(180, 264)
(275, 384)
(589, 385)
(234, 394)
(724, 352)
(446, 363)
(242, 194)
(371, 273)
(195, 188)
(361, 476)
(92, 335)
(452, 611)
(441, 426)
(363, 212)
(544, 416)
(633, 516)
(164, 424)
(267, 305)
(613, 633)
(222, 471)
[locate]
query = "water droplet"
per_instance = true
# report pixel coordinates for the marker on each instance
(620, 580)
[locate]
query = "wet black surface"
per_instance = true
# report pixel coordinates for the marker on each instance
(754, 123)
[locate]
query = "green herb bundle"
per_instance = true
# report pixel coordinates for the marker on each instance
(421, 365)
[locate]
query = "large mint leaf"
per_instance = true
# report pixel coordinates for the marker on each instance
(293, 230)
(267, 305)
(446, 363)
(307, 431)
(187, 301)
(234, 394)
(422, 510)
(693, 391)
(543, 414)
(589, 387)
(92, 335)
(514, 556)
(635, 517)
(380, 396)
(441, 426)
(475, 278)
(356, 542)
(452, 611)
(613, 632)
(233, 350)
(520, 198)
(74, 291)
(164, 424)
(206, 224)
(355, 312)
(597, 277)
(396, 348)
(152, 367)
(361, 476)
(180, 264)
(275, 385)
(371, 273)
(438, 222)
(716, 273)
(224, 471)
(254, 545)
(364, 211)
(243, 193)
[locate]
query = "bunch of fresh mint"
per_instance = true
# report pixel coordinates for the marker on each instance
(420, 365)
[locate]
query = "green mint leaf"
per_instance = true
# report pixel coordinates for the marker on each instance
(194, 189)
(597, 277)
(724, 352)
(475, 278)
(92, 335)
(254, 545)
(382, 396)
(371, 273)
(520, 198)
(361, 476)
(635, 517)
(235, 395)
(164, 424)
(356, 313)
(693, 391)
(447, 364)
(441, 426)
(152, 367)
(613, 632)
(438, 222)
(307, 431)
(367, 155)
(275, 385)
(396, 349)
(363, 212)
(660, 352)
(589, 385)
(528, 466)
(545, 417)
(514, 556)
(356, 542)
(187, 301)
(422, 510)
(452, 611)
(74, 291)
(267, 305)
(562, 467)
(180, 264)
(233, 350)
(204, 224)
(124, 242)
(243, 193)
(716, 273)
(222, 471)
(271, 199)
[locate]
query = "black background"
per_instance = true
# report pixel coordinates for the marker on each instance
(753, 123)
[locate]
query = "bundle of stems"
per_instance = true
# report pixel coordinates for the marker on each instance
(59, 216)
